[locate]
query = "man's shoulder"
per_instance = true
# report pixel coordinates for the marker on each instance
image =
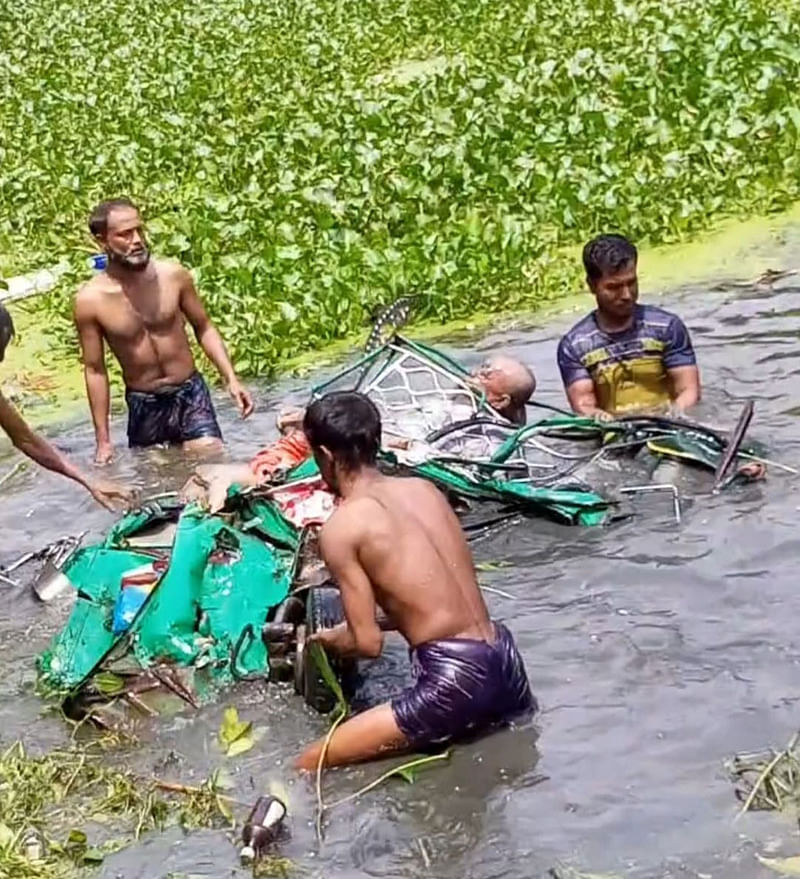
(170, 269)
(580, 332)
(343, 516)
(657, 314)
(95, 290)
(658, 319)
(345, 525)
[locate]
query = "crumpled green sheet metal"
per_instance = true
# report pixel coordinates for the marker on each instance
(691, 443)
(568, 505)
(220, 581)
(86, 638)
(698, 449)
(576, 507)
(207, 610)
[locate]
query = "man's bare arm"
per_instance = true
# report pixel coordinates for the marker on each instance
(361, 633)
(684, 386)
(38, 449)
(90, 336)
(211, 342)
(583, 400)
(209, 483)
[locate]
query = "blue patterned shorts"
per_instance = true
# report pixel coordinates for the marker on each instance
(173, 415)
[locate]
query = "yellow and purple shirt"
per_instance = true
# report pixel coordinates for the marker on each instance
(629, 368)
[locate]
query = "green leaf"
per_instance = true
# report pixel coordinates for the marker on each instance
(784, 866)
(737, 128)
(410, 770)
(241, 745)
(224, 807)
(180, 243)
(108, 683)
(492, 566)
(221, 779)
(236, 736)
(407, 773)
(232, 728)
(6, 836)
(319, 656)
(93, 856)
(288, 311)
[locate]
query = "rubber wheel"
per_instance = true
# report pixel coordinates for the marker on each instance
(323, 611)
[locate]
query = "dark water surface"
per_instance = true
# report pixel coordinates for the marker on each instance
(656, 651)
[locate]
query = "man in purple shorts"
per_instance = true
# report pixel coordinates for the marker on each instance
(396, 543)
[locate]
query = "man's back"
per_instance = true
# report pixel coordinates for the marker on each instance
(396, 542)
(411, 547)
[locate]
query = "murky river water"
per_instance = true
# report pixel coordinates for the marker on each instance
(655, 650)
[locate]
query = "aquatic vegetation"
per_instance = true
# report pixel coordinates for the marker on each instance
(313, 161)
(768, 780)
(54, 794)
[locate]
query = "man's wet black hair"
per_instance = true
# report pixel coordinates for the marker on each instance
(606, 255)
(348, 424)
(6, 330)
(98, 219)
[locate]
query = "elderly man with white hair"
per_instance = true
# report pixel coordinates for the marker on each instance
(508, 385)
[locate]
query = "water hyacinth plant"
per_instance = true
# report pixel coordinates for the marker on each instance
(310, 159)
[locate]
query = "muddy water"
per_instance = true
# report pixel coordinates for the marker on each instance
(656, 651)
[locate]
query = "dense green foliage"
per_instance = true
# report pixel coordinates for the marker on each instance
(312, 158)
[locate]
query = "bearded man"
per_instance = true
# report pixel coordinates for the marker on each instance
(139, 307)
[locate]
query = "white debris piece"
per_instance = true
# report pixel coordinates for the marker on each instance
(23, 286)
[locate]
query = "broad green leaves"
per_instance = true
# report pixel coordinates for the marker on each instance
(310, 163)
(237, 736)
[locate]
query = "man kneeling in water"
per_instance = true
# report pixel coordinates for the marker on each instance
(395, 542)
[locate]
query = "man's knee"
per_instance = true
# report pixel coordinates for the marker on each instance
(203, 445)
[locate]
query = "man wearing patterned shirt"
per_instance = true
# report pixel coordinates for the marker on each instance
(625, 356)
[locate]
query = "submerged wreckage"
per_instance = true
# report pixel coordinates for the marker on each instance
(178, 599)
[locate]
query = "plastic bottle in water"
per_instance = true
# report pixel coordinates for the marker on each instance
(98, 262)
(261, 827)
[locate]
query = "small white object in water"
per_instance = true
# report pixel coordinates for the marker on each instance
(247, 855)
(32, 847)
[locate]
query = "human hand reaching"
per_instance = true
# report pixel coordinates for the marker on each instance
(754, 470)
(112, 495)
(241, 397)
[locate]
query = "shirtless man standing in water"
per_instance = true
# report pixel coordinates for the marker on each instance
(139, 307)
(396, 543)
